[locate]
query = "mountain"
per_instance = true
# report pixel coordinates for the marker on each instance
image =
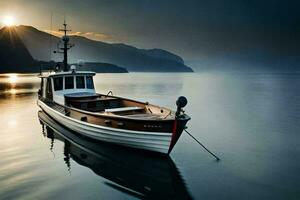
(40, 44)
(101, 67)
(160, 53)
(14, 56)
(87, 66)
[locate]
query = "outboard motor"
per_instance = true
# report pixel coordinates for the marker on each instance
(181, 102)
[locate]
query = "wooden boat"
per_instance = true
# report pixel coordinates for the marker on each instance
(69, 97)
(141, 174)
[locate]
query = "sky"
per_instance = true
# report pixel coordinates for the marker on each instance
(197, 30)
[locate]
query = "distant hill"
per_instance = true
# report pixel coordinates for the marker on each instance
(88, 66)
(101, 67)
(40, 45)
(14, 56)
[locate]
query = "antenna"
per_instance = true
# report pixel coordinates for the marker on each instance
(65, 30)
(50, 39)
(66, 45)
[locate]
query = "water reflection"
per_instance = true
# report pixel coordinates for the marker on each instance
(18, 83)
(12, 78)
(140, 174)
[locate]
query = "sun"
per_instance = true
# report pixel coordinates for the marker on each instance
(9, 20)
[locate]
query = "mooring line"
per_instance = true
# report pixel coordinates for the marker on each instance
(217, 158)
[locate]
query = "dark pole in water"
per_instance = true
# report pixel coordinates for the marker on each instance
(217, 158)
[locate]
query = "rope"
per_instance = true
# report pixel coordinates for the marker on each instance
(110, 92)
(217, 158)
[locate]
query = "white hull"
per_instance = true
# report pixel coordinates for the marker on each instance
(153, 141)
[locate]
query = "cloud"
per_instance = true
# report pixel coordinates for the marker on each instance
(90, 35)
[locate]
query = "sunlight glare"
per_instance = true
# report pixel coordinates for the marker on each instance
(12, 123)
(9, 21)
(12, 78)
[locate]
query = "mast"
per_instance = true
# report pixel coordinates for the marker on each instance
(66, 46)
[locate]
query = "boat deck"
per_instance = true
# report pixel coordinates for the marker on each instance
(144, 116)
(56, 107)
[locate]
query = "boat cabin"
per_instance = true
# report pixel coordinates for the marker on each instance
(55, 87)
(77, 90)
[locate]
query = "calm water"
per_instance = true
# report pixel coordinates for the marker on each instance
(252, 121)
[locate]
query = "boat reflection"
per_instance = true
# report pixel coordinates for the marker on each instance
(138, 173)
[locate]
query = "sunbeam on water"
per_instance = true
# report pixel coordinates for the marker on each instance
(12, 78)
(18, 83)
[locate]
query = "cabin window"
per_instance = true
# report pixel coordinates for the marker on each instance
(80, 82)
(89, 82)
(48, 89)
(40, 92)
(58, 83)
(69, 82)
(42, 84)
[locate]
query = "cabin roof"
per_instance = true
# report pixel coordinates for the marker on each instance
(53, 74)
(81, 94)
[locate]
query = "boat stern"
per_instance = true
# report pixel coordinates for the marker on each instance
(179, 123)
